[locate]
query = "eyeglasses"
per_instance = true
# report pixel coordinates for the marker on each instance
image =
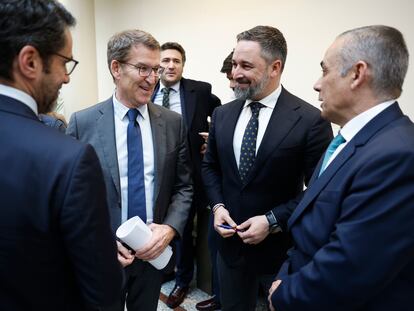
(145, 71)
(70, 63)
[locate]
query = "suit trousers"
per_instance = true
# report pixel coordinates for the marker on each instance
(141, 289)
(239, 285)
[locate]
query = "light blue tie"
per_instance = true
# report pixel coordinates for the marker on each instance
(335, 143)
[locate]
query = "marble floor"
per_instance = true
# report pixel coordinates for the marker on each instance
(195, 295)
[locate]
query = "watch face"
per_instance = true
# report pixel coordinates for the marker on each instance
(275, 228)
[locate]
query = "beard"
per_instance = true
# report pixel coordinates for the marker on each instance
(253, 90)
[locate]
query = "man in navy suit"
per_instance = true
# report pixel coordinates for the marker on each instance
(57, 251)
(353, 229)
(289, 140)
(194, 101)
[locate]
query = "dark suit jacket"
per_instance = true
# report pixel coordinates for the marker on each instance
(353, 230)
(197, 103)
(57, 251)
(173, 186)
(294, 140)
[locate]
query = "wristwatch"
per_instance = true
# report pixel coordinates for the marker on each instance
(274, 226)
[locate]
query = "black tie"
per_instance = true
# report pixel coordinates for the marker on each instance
(166, 97)
(248, 146)
(136, 185)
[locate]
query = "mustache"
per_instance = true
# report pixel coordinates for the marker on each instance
(242, 80)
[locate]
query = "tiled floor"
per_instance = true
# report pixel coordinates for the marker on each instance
(195, 295)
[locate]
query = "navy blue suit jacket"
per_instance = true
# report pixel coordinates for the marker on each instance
(353, 229)
(294, 140)
(197, 103)
(57, 250)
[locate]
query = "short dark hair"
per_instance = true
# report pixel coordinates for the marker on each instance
(227, 64)
(174, 46)
(271, 41)
(39, 23)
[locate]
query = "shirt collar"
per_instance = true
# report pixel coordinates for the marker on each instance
(174, 87)
(269, 101)
(120, 110)
(353, 126)
(20, 96)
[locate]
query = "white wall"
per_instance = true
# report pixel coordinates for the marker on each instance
(207, 31)
(82, 91)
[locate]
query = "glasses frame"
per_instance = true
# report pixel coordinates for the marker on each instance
(156, 70)
(68, 61)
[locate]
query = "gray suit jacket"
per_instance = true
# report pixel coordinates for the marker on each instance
(173, 185)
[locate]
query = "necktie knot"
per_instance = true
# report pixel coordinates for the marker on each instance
(132, 115)
(166, 91)
(335, 143)
(255, 107)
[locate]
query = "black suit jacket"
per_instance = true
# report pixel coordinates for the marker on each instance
(57, 251)
(197, 103)
(294, 140)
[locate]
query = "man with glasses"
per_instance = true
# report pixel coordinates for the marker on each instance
(195, 102)
(142, 149)
(56, 247)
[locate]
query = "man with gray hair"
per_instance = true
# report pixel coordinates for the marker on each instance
(353, 231)
(143, 153)
(262, 147)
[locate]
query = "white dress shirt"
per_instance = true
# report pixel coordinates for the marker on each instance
(121, 127)
(20, 96)
(352, 127)
(264, 116)
(175, 99)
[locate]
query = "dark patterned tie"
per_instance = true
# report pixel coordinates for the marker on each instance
(166, 97)
(248, 146)
(335, 143)
(136, 185)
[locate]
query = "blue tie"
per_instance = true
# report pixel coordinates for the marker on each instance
(248, 146)
(136, 185)
(338, 140)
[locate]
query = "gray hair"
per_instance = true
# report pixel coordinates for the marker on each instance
(121, 43)
(384, 50)
(271, 41)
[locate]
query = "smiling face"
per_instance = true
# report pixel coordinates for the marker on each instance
(133, 90)
(254, 77)
(334, 89)
(172, 61)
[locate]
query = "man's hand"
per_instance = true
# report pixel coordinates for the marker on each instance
(162, 235)
(274, 286)
(221, 217)
(204, 146)
(254, 230)
(125, 256)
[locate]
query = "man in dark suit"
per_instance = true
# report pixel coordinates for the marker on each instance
(195, 102)
(259, 155)
(163, 181)
(57, 251)
(353, 229)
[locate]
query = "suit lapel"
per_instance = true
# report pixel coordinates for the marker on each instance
(361, 138)
(188, 101)
(159, 137)
(283, 119)
(105, 125)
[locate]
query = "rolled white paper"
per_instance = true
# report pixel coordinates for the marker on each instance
(135, 233)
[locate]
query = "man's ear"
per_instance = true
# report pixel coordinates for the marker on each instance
(116, 69)
(29, 62)
(360, 74)
(276, 68)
